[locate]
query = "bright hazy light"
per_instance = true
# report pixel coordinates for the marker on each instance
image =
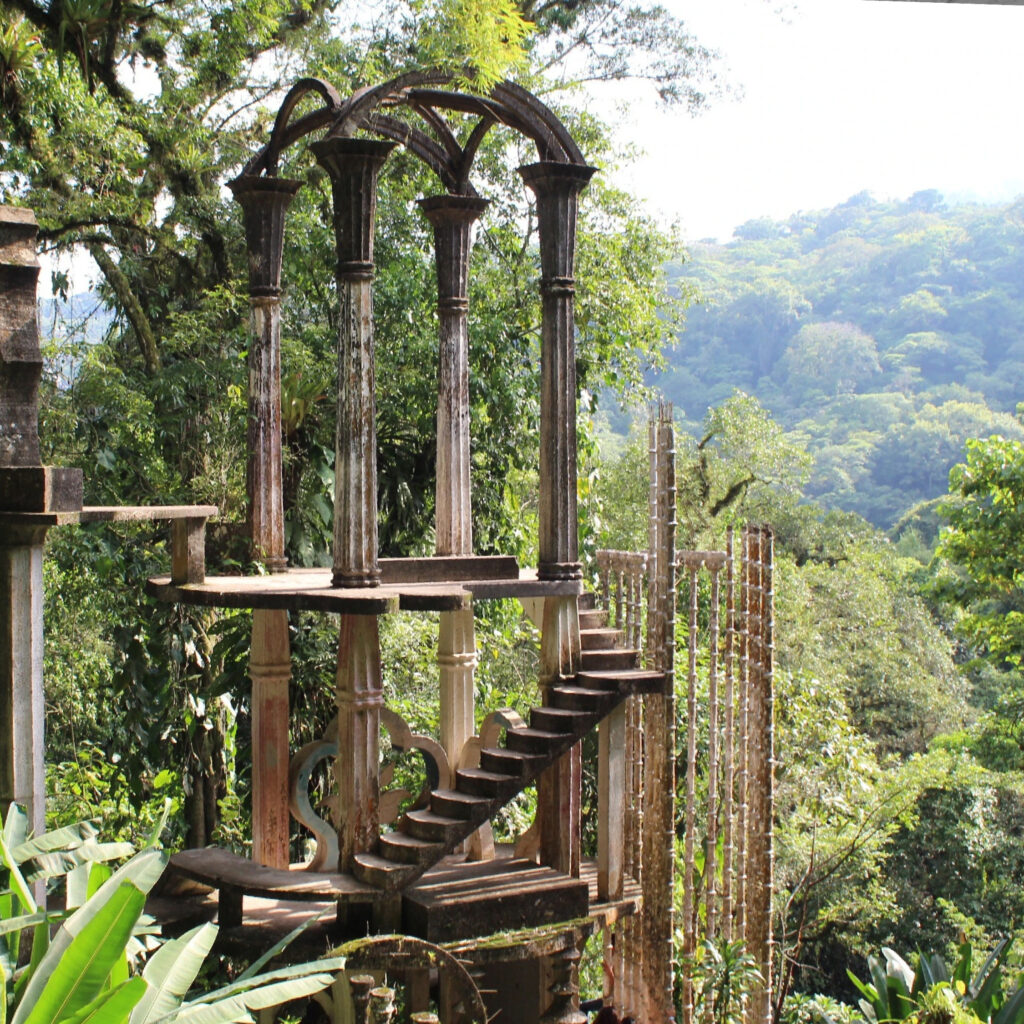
(837, 96)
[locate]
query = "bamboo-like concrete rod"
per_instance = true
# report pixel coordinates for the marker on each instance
(728, 781)
(711, 857)
(740, 926)
(689, 896)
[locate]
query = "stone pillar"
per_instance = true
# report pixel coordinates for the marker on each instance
(359, 698)
(557, 187)
(353, 165)
(452, 218)
(26, 487)
(264, 202)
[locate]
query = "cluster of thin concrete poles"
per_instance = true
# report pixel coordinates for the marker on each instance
(729, 748)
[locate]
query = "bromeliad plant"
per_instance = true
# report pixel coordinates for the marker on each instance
(935, 995)
(83, 972)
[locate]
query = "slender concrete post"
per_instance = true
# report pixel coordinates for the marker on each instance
(264, 202)
(26, 486)
(659, 784)
(452, 217)
(353, 165)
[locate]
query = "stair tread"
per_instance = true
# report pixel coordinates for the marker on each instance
(631, 674)
(542, 734)
(433, 818)
(483, 774)
(520, 755)
(400, 838)
(375, 862)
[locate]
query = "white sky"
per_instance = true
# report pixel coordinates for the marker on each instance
(837, 96)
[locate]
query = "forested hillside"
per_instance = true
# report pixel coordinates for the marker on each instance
(883, 334)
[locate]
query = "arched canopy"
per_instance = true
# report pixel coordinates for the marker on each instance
(421, 92)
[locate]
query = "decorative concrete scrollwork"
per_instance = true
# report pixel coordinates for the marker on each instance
(435, 761)
(309, 758)
(305, 762)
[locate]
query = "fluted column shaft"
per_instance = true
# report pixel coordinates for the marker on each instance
(359, 698)
(264, 202)
(452, 218)
(557, 187)
(353, 165)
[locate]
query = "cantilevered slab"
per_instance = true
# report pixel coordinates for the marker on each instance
(311, 589)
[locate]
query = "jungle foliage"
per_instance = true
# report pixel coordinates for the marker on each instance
(881, 334)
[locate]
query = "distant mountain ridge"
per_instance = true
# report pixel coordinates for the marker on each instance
(83, 314)
(882, 334)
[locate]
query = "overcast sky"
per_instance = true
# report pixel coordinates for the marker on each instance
(837, 96)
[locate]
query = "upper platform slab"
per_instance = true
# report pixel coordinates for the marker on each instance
(407, 584)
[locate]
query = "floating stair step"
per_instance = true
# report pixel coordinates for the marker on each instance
(595, 618)
(383, 873)
(587, 601)
(629, 681)
(619, 658)
(451, 803)
(479, 782)
(536, 741)
(436, 828)
(407, 849)
(601, 639)
(576, 698)
(520, 764)
(560, 720)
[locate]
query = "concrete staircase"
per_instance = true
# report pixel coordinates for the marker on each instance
(608, 675)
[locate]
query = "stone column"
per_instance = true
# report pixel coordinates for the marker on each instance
(264, 202)
(353, 165)
(557, 187)
(26, 487)
(453, 217)
(359, 698)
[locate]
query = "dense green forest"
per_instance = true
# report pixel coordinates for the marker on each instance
(881, 334)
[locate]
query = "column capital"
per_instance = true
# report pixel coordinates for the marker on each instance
(264, 202)
(353, 166)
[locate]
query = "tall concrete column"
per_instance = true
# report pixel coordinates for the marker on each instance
(557, 187)
(452, 217)
(353, 165)
(26, 487)
(264, 202)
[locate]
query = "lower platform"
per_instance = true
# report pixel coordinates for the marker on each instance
(456, 901)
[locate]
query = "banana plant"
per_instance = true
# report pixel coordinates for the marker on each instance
(83, 974)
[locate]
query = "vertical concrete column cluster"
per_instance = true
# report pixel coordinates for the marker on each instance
(264, 202)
